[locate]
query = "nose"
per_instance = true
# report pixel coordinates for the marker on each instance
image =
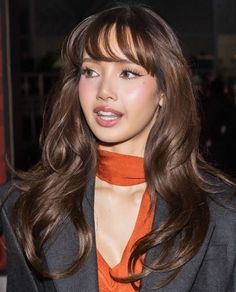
(106, 90)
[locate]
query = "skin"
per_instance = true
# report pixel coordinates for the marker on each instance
(125, 87)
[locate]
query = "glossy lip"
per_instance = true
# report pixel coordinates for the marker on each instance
(107, 123)
(107, 109)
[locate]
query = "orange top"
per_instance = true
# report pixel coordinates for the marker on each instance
(132, 173)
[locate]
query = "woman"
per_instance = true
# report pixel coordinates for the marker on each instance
(121, 199)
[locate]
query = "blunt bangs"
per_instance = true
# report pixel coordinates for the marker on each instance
(130, 34)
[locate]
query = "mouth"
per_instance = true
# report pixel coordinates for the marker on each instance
(106, 116)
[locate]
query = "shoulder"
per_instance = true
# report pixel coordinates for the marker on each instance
(223, 196)
(222, 206)
(8, 197)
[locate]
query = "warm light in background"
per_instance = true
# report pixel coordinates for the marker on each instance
(2, 138)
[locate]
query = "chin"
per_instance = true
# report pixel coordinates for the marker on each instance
(111, 136)
(108, 141)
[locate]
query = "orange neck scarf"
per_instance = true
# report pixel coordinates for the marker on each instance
(123, 170)
(120, 169)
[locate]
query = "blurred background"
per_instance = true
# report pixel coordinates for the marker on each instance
(31, 34)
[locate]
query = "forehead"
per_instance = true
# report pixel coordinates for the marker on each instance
(111, 47)
(114, 41)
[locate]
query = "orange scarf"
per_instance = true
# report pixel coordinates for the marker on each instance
(120, 169)
(123, 170)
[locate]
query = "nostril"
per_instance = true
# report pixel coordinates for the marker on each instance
(106, 91)
(106, 97)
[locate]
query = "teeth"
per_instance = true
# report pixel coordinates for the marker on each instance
(106, 114)
(108, 118)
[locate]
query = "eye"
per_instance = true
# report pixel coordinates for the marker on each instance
(89, 73)
(130, 74)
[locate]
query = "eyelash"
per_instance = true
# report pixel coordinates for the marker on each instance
(86, 70)
(132, 71)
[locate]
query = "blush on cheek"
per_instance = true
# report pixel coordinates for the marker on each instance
(88, 88)
(136, 93)
(83, 87)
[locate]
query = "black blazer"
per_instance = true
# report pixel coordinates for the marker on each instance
(213, 269)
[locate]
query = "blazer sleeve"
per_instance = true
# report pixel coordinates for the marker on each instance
(20, 277)
(223, 212)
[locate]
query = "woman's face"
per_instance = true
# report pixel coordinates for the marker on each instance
(119, 101)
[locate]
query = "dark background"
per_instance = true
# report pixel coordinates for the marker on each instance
(33, 31)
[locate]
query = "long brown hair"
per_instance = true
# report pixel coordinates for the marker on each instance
(52, 191)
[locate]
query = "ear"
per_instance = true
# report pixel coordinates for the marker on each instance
(160, 103)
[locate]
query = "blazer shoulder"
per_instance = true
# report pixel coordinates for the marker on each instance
(8, 197)
(222, 206)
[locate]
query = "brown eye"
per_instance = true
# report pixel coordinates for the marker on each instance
(89, 73)
(130, 74)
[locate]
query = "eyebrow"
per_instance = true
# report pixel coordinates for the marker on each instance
(120, 61)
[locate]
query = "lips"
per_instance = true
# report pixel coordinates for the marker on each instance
(107, 116)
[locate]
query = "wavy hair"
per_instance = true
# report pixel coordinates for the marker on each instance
(52, 191)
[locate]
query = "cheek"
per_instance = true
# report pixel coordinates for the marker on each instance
(140, 94)
(83, 89)
(87, 89)
(84, 96)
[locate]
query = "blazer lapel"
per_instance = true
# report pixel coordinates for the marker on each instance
(60, 252)
(185, 279)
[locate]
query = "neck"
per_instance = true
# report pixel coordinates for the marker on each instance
(129, 191)
(123, 148)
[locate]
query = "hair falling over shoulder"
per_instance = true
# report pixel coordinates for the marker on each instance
(52, 191)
